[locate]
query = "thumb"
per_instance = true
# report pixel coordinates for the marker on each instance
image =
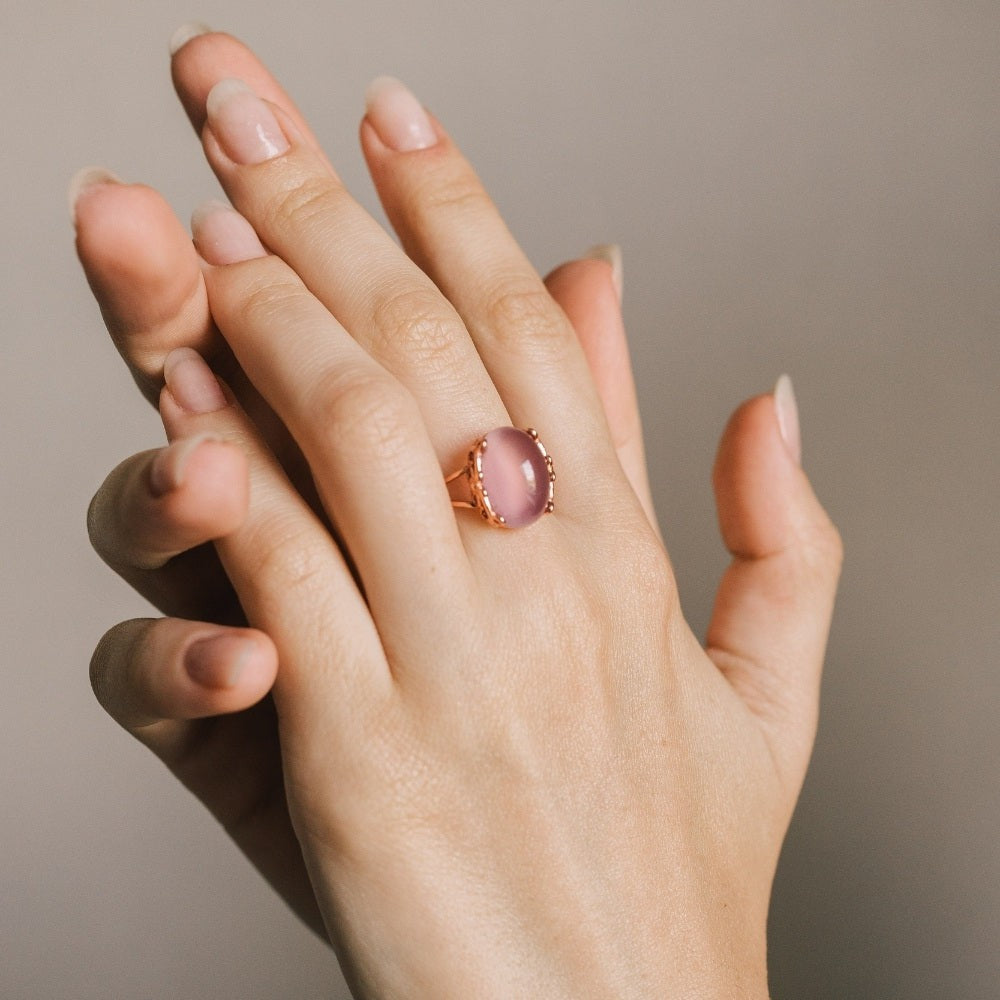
(772, 613)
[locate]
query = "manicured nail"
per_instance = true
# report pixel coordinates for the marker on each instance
(185, 33)
(219, 660)
(84, 180)
(166, 472)
(191, 382)
(788, 417)
(398, 117)
(223, 236)
(611, 253)
(244, 125)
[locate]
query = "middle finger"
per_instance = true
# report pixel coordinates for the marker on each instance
(303, 213)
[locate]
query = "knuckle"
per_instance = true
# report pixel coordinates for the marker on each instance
(367, 414)
(298, 206)
(642, 568)
(460, 193)
(266, 301)
(413, 324)
(286, 561)
(522, 316)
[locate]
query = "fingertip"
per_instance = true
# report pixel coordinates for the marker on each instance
(765, 500)
(208, 492)
(185, 400)
(84, 182)
(143, 268)
(208, 57)
(149, 671)
(159, 504)
(236, 665)
(752, 477)
(585, 276)
(123, 226)
(388, 168)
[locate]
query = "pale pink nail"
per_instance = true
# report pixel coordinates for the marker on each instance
(85, 180)
(191, 382)
(245, 126)
(788, 417)
(166, 472)
(184, 34)
(397, 116)
(223, 236)
(610, 253)
(218, 660)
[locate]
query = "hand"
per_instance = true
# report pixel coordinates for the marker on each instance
(510, 762)
(490, 802)
(155, 515)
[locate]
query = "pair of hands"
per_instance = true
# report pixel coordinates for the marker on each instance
(491, 763)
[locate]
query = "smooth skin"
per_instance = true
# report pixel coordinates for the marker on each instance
(503, 759)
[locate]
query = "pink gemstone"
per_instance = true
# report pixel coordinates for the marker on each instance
(515, 476)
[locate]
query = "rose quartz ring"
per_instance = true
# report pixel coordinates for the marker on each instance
(510, 478)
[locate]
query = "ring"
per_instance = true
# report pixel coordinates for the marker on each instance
(510, 476)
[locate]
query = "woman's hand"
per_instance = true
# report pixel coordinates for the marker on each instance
(511, 768)
(197, 703)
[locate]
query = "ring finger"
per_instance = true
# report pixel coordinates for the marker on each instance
(451, 228)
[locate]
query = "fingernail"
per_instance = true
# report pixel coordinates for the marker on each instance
(244, 125)
(219, 660)
(185, 33)
(611, 253)
(788, 417)
(397, 116)
(84, 180)
(223, 236)
(166, 472)
(191, 382)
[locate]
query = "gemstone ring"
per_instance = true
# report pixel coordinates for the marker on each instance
(510, 478)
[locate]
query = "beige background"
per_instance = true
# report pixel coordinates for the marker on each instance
(797, 185)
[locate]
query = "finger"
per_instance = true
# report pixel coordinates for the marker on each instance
(589, 292)
(412, 332)
(451, 228)
(153, 516)
(146, 276)
(157, 672)
(200, 58)
(357, 426)
(144, 273)
(194, 694)
(772, 613)
(303, 214)
(283, 563)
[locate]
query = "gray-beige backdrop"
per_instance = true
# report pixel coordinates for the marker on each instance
(797, 185)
